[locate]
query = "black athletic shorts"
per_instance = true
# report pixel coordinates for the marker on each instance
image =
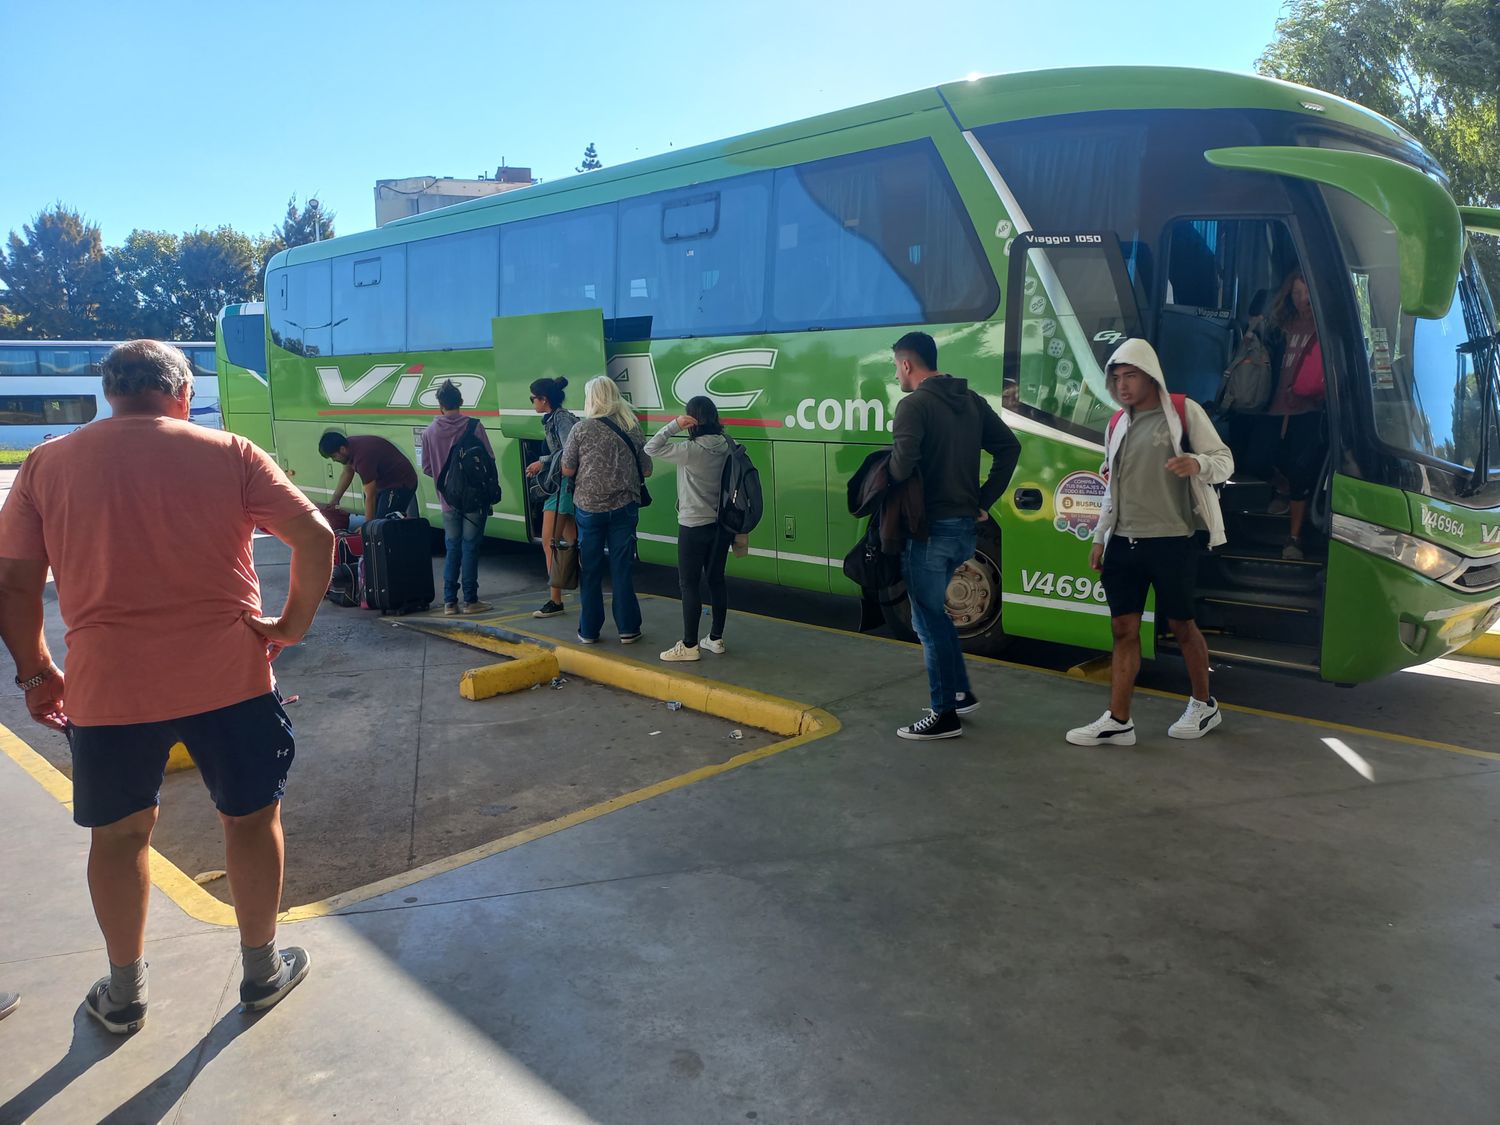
(243, 753)
(1133, 566)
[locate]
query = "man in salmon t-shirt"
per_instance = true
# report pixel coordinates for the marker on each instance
(145, 521)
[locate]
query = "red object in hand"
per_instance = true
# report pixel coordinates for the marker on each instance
(337, 518)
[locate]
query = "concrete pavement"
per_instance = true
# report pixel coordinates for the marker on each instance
(1001, 928)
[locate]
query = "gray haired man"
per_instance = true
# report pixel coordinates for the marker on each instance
(166, 644)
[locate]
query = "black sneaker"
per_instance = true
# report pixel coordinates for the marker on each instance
(294, 966)
(549, 609)
(967, 703)
(933, 725)
(116, 1021)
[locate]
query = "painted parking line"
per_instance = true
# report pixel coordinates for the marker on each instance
(811, 724)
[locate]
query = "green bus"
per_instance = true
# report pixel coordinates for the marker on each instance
(1029, 222)
(244, 390)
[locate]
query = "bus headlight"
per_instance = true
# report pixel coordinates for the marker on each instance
(1424, 557)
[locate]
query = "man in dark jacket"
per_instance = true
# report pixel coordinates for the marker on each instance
(941, 426)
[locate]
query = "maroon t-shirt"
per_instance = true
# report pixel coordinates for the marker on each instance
(377, 460)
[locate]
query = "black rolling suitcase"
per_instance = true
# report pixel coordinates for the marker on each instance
(398, 564)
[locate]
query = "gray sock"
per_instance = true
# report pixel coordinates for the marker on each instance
(262, 963)
(127, 983)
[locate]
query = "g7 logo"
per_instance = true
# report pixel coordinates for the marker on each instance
(1108, 336)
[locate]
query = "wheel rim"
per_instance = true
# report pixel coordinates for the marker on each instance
(973, 599)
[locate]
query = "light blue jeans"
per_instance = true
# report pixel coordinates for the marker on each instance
(928, 566)
(462, 532)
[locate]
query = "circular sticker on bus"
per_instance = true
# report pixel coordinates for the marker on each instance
(1079, 501)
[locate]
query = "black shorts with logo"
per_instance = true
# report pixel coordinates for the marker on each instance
(1134, 566)
(243, 753)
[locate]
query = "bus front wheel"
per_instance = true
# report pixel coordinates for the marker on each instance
(973, 600)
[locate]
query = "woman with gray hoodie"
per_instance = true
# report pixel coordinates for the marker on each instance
(702, 545)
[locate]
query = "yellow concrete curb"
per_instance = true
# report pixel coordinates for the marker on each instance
(1486, 647)
(169, 879)
(178, 759)
(1095, 671)
(725, 701)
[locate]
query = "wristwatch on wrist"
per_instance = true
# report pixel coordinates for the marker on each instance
(37, 680)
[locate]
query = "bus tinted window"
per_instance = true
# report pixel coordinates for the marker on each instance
(558, 263)
(203, 361)
(245, 342)
(369, 302)
(298, 303)
(875, 238)
(452, 290)
(694, 261)
(17, 361)
(63, 361)
(47, 410)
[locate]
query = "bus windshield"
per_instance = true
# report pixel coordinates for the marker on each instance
(1429, 378)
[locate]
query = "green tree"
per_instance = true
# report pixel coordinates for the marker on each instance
(299, 227)
(1432, 66)
(591, 161)
(215, 268)
(144, 280)
(56, 275)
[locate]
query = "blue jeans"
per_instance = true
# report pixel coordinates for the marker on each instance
(615, 530)
(462, 533)
(928, 566)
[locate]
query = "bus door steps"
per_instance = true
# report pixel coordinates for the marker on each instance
(1294, 617)
(1281, 655)
(1251, 568)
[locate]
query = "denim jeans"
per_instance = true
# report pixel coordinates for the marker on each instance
(462, 533)
(615, 530)
(928, 565)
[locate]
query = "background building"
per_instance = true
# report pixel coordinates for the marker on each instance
(395, 199)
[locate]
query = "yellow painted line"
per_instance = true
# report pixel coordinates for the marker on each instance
(178, 758)
(782, 716)
(192, 899)
(825, 724)
(1486, 647)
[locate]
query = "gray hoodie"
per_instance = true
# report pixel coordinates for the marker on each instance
(700, 472)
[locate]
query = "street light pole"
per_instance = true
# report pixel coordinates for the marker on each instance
(313, 207)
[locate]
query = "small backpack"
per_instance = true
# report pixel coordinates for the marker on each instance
(470, 480)
(741, 503)
(1246, 388)
(344, 583)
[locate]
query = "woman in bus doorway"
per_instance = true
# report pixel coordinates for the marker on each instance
(557, 511)
(605, 458)
(702, 545)
(1293, 439)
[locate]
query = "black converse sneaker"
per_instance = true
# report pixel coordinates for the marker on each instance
(932, 726)
(117, 1021)
(256, 997)
(967, 703)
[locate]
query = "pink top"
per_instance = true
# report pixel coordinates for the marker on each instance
(146, 524)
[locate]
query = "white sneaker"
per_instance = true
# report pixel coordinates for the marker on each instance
(711, 645)
(680, 651)
(1106, 730)
(1197, 720)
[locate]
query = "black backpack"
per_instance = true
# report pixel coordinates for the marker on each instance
(470, 480)
(740, 501)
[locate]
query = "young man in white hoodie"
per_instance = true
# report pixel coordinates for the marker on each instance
(1162, 454)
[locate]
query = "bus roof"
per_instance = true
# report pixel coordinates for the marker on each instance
(980, 101)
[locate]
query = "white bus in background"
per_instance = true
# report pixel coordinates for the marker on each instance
(51, 387)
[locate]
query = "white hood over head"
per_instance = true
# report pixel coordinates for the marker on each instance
(1138, 353)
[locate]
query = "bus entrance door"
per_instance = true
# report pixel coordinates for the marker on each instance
(557, 345)
(1069, 303)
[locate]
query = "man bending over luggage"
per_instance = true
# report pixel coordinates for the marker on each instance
(166, 643)
(389, 481)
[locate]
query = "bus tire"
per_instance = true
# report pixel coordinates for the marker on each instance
(973, 600)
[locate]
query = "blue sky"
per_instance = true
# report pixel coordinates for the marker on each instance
(176, 116)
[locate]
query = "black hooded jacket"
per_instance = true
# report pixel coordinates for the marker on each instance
(940, 429)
